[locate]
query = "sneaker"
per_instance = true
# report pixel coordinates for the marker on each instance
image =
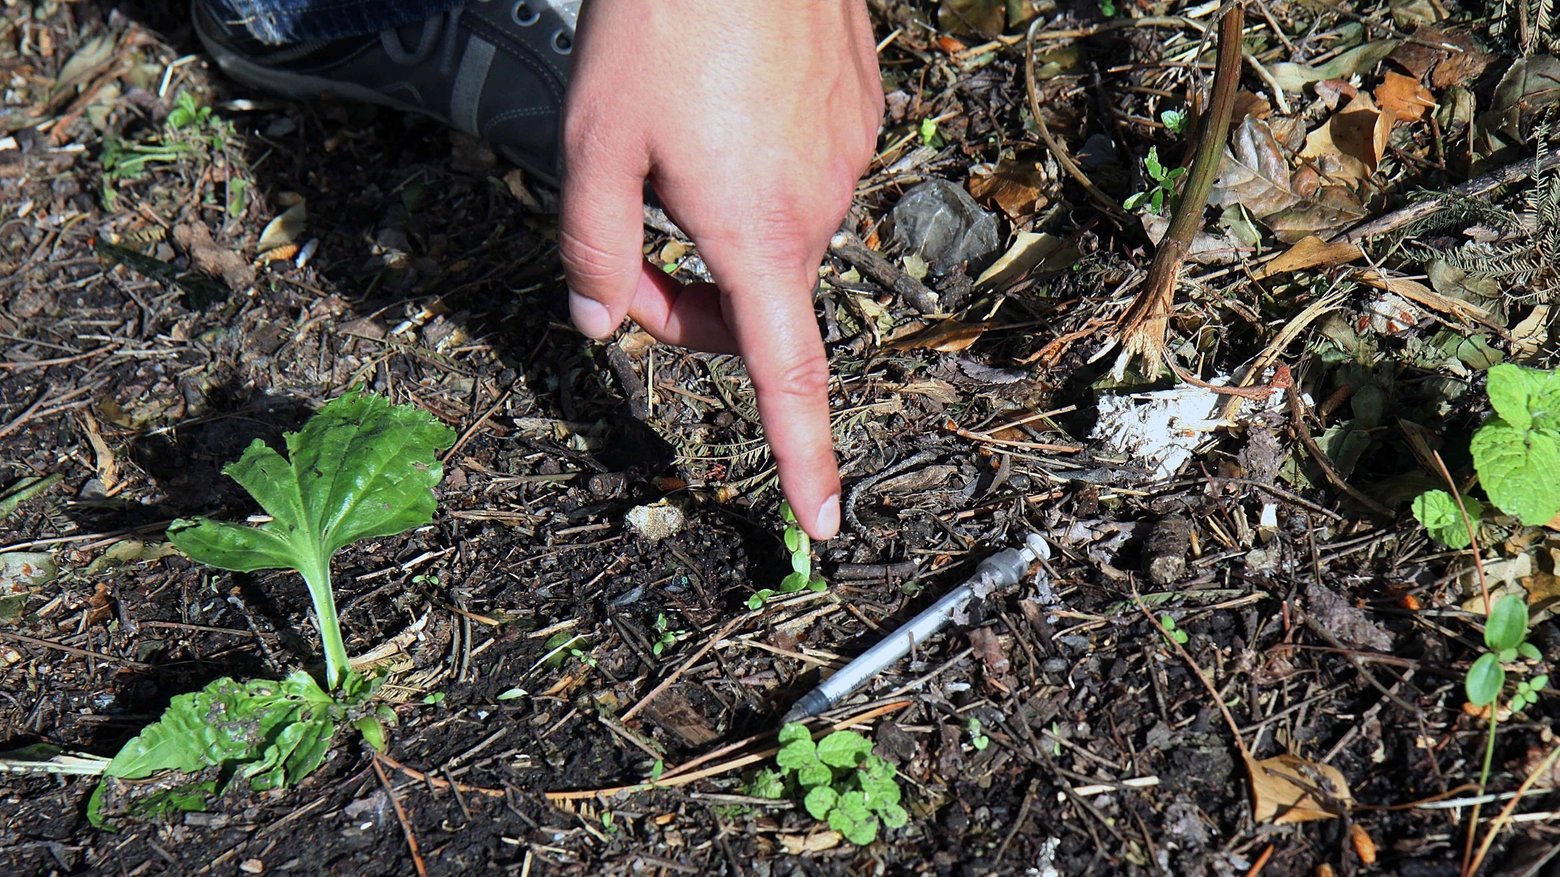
(493, 68)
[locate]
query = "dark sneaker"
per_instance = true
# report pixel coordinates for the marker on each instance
(494, 68)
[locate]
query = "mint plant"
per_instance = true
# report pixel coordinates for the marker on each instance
(359, 468)
(1517, 452)
(1437, 511)
(1163, 191)
(838, 779)
(801, 578)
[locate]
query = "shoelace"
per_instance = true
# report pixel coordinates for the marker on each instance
(444, 22)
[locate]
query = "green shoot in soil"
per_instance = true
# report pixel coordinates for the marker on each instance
(977, 739)
(359, 468)
(838, 779)
(1168, 628)
(801, 578)
(1163, 192)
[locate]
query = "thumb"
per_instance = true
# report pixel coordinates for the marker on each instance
(601, 234)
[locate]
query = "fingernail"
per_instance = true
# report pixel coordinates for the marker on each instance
(590, 316)
(828, 521)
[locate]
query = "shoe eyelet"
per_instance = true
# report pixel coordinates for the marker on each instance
(562, 43)
(524, 15)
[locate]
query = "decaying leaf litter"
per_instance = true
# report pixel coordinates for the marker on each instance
(188, 267)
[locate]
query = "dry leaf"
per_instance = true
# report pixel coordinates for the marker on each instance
(1360, 131)
(1012, 185)
(1248, 104)
(1287, 788)
(1294, 77)
(1254, 172)
(817, 842)
(947, 336)
(287, 227)
(1028, 251)
(1310, 252)
(1335, 91)
(1327, 209)
(1404, 97)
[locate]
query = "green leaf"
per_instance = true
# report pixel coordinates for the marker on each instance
(1539, 682)
(1485, 679)
(1525, 398)
(820, 800)
(796, 754)
(1530, 651)
(1156, 170)
(766, 784)
(1518, 469)
(359, 468)
(1437, 511)
(814, 773)
(894, 816)
(793, 583)
(794, 732)
(801, 564)
(817, 584)
(1507, 625)
(844, 749)
(785, 512)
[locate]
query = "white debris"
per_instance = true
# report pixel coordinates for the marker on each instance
(656, 522)
(1164, 428)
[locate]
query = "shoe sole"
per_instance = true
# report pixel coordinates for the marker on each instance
(303, 87)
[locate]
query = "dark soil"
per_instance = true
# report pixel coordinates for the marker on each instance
(1330, 634)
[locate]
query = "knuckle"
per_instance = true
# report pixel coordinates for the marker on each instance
(586, 261)
(803, 378)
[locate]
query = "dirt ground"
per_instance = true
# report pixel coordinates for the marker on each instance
(143, 346)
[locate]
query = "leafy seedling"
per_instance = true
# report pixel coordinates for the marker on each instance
(838, 780)
(1437, 511)
(665, 636)
(977, 739)
(800, 578)
(1505, 635)
(359, 468)
(1163, 191)
(1174, 121)
(1171, 632)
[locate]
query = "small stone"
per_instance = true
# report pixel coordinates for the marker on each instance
(252, 866)
(656, 522)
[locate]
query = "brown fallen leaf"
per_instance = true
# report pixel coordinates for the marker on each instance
(1360, 130)
(209, 258)
(1287, 788)
(1404, 97)
(1326, 209)
(816, 842)
(1012, 185)
(1463, 62)
(1310, 252)
(946, 336)
(1254, 171)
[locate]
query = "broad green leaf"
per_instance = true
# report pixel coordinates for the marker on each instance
(1519, 468)
(793, 540)
(820, 800)
(1525, 398)
(785, 512)
(1507, 625)
(1530, 651)
(794, 732)
(894, 816)
(844, 749)
(793, 583)
(223, 722)
(1485, 679)
(1537, 683)
(801, 564)
(1437, 511)
(359, 468)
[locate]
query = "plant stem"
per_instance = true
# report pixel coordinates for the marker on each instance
(316, 574)
(1484, 778)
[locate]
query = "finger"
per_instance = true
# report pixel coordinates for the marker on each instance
(686, 315)
(600, 230)
(772, 318)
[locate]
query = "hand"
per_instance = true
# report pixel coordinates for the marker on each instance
(753, 120)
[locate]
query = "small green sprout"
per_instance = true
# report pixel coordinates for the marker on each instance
(1163, 192)
(1174, 121)
(977, 739)
(1168, 628)
(838, 779)
(665, 636)
(801, 578)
